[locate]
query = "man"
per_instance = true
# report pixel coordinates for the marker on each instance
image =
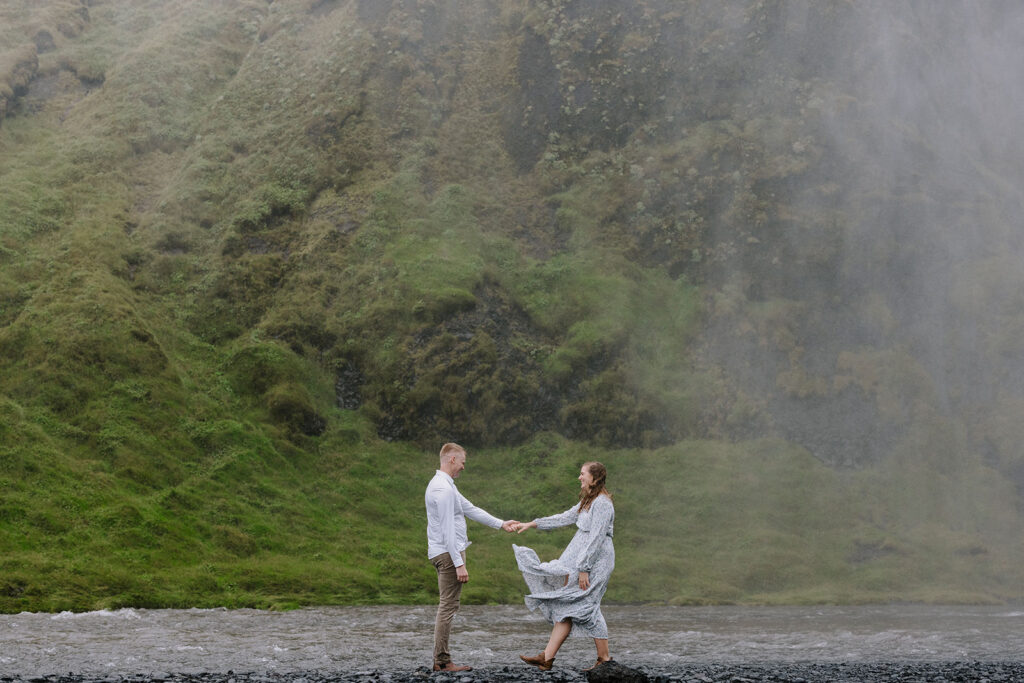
(447, 541)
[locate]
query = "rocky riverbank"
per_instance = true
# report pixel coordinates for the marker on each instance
(934, 672)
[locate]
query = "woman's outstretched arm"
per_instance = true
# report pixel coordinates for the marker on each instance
(553, 521)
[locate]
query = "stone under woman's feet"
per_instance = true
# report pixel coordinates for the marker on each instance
(598, 663)
(539, 661)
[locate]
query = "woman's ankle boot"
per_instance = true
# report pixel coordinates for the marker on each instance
(539, 661)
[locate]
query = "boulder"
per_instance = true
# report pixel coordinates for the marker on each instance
(613, 672)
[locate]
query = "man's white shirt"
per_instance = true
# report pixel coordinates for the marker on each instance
(447, 510)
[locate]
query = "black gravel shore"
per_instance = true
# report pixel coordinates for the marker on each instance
(922, 672)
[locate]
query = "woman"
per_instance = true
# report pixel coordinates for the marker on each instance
(568, 591)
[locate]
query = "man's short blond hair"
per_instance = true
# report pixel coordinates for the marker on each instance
(450, 449)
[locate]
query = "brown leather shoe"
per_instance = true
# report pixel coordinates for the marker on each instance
(598, 663)
(539, 661)
(452, 667)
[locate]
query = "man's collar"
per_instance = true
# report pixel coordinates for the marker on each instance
(446, 476)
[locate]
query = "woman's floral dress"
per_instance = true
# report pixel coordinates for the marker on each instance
(590, 550)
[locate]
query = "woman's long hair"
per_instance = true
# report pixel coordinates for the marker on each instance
(600, 475)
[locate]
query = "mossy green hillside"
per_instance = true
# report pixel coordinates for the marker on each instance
(252, 523)
(258, 261)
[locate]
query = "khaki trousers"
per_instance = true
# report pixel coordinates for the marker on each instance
(450, 589)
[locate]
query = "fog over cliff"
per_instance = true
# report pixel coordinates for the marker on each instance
(892, 255)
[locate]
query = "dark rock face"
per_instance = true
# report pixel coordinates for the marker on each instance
(14, 83)
(44, 41)
(468, 379)
(536, 109)
(348, 381)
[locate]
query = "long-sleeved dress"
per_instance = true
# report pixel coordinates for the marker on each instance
(554, 586)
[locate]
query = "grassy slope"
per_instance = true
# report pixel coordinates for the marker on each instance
(190, 251)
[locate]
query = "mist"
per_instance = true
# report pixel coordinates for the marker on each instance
(880, 223)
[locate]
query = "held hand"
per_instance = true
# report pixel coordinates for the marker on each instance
(510, 525)
(462, 574)
(584, 580)
(523, 526)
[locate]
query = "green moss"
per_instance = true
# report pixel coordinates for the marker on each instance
(266, 203)
(290, 405)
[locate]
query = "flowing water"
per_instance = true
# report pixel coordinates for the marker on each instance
(392, 638)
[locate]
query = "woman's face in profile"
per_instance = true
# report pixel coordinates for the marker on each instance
(585, 479)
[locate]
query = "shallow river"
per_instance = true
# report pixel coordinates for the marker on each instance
(363, 638)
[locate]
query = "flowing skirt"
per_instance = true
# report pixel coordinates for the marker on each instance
(555, 591)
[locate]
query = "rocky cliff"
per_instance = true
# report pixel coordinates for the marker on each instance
(633, 225)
